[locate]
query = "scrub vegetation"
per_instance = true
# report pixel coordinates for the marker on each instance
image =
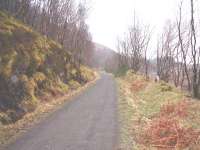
(156, 115)
(33, 69)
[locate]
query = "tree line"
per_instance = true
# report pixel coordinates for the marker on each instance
(133, 47)
(178, 49)
(62, 21)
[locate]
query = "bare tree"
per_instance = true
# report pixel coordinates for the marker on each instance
(146, 63)
(195, 54)
(123, 49)
(133, 48)
(183, 47)
(165, 52)
(60, 20)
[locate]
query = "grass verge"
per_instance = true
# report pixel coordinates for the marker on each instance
(156, 115)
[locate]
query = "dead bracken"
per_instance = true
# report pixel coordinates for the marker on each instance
(138, 85)
(166, 131)
(180, 109)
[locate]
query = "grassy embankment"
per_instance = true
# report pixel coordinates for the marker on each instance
(156, 115)
(36, 74)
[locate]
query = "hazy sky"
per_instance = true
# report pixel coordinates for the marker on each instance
(109, 19)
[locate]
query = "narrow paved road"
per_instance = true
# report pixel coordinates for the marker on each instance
(88, 122)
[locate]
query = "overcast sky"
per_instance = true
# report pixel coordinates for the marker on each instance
(109, 19)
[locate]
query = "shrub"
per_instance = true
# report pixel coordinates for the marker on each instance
(167, 109)
(121, 71)
(165, 87)
(62, 87)
(137, 85)
(47, 84)
(39, 78)
(28, 105)
(15, 92)
(5, 119)
(73, 72)
(130, 73)
(54, 87)
(15, 114)
(6, 64)
(73, 84)
(86, 74)
(180, 109)
(27, 87)
(132, 76)
(167, 133)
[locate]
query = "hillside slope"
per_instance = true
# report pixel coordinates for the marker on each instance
(32, 68)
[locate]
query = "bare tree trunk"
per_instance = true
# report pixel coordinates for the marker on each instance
(194, 54)
(184, 53)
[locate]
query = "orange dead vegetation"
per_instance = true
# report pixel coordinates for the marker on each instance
(180, 109)
(166, 132)
(137, 85)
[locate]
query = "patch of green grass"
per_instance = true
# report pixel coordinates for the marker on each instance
(126, 112)
(152, 98)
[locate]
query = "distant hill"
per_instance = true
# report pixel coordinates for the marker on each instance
(107, 59)
(104, 58)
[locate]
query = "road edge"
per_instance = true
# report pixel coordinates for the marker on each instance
(16, 130)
